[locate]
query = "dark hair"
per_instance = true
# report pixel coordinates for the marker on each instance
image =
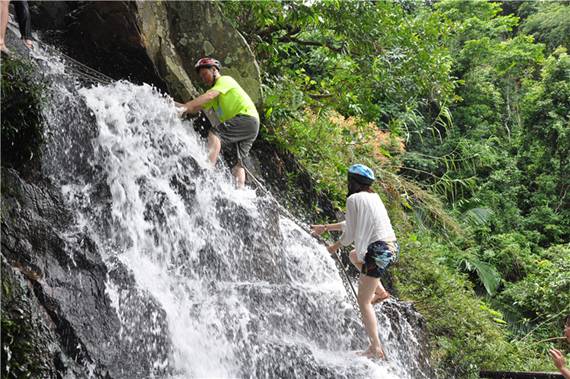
(355, 187)
(568, 320)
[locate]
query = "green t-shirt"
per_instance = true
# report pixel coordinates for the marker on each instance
(231, 101)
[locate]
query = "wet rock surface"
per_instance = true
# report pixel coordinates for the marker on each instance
(403, 315)
(54, 293)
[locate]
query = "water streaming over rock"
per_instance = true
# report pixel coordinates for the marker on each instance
(206, 280)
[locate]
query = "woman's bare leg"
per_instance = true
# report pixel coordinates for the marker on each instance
(380, 292)
(366, 289)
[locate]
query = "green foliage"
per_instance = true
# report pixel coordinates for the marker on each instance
(469, 334)
(21, 120)
(545, 151)
(549, 22)
(486, 272)
(543, 295)
(327, 143)
(511, 253)
(357, 57)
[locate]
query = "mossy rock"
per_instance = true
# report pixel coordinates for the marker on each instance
(22, 128)
(25, 335)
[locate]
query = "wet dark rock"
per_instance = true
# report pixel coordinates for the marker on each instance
(269, 303)
(28, 341)
(61, 306)
(260, 246)
(103, 35)
(120, 275)
(403, 315)
(281, 360)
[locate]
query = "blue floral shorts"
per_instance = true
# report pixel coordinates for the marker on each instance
(379, 256)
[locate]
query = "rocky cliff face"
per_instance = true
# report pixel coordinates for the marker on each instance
(151, 41)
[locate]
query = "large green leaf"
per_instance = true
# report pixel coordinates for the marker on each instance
(478, 216)
(487, 273)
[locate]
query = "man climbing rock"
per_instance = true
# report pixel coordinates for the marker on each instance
(238, 118)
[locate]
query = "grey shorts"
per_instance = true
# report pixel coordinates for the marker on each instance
(239, 131)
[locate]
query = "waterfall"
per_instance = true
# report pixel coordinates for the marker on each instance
(206, 280)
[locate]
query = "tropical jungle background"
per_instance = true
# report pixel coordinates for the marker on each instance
(462, 109)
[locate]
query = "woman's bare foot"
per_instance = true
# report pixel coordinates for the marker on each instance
(28, 43)
(373, 353)
(3, 48)
(380, 296)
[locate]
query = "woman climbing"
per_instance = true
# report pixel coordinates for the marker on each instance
(367, 225)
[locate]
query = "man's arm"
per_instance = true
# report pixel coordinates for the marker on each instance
(193, 106)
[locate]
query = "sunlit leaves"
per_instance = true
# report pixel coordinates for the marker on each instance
(550, 24)
(371, 59)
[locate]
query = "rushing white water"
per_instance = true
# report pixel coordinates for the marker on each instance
(239, 290)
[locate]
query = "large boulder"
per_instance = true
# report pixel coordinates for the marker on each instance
(198, 29)
(153, 42)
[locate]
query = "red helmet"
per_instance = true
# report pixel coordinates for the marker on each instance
(207, 62)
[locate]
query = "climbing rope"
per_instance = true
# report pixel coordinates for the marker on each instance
(82, 71)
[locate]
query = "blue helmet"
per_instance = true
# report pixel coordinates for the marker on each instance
(361, 174)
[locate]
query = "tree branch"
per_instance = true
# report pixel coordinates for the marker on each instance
(289, 38)
(289, 30)
(318, 96)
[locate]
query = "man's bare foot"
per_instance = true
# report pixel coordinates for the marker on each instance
(373, 353)
(3, 48)
(380, 297)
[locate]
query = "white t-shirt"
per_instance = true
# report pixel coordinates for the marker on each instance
(366, 221)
